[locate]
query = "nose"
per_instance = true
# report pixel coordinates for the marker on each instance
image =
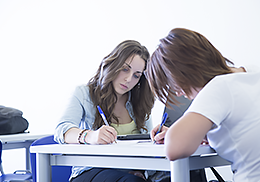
(128, 77)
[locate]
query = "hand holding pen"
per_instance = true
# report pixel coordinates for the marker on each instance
(160, 127)
(104, 118)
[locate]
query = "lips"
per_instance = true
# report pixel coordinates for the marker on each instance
(124, 86)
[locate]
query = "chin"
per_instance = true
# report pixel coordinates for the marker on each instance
(121, 92)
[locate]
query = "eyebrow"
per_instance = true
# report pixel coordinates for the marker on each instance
(131, 68)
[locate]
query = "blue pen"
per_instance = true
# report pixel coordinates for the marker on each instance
(102, 115)
(163, 121)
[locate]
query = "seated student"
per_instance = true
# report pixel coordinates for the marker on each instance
(225, 105)
(123, 93)
(174, 113)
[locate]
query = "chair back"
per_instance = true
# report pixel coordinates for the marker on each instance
(176, 111)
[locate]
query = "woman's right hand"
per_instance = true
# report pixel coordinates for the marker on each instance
(104, 135)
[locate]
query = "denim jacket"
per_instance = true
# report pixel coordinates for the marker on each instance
(80, 112)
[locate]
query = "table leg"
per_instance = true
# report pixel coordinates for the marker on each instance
(43, 168)
(180, 170)
(27, 158)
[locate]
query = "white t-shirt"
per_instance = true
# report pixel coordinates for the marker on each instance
(232, 103)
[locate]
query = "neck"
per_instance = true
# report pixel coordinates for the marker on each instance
(122, 98)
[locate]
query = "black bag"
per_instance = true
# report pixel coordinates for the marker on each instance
(165, 176)
(12, 121)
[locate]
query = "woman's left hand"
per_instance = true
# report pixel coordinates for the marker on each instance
(159, 138)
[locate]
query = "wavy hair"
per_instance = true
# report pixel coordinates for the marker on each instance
(183, 60)
(102, 91)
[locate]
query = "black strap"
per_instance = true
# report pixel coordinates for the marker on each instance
(220, 179)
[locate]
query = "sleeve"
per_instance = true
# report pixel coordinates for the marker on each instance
(149, 124)
(214, 101)
(72, 116)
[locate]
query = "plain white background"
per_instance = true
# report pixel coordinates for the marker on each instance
(49, 47)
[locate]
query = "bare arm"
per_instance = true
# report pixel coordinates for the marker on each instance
(71, 136)
(104, 135)
(184, 136)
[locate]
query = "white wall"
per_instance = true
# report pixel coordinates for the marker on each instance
(48, 47)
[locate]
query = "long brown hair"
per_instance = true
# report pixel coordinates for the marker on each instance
(102, 91)
(183, 60)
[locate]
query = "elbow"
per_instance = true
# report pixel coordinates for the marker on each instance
(171, 154)
(175, 149)
(176, 153)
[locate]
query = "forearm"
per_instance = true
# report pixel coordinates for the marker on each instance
(185, 135)
(72, 135)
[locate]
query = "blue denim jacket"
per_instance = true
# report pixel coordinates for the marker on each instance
(80, 112)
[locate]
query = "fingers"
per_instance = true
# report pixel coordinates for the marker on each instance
(158, 138)
(154, 131)
(107, 134)
(104, 135)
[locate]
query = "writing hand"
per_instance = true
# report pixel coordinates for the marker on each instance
(104, 135)
(158, 138)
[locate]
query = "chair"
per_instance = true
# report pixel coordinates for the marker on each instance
(176, 112)
(59, 173)
(19, 175)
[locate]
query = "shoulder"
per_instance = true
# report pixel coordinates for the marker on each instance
(214, 100)
(82, 88)
(238, 80)
(217, 85)
(82, 92)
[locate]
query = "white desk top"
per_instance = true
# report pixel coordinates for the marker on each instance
(21, 137)
(123, 148)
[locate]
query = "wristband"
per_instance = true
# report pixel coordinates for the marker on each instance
(84, 137)
(80, 134)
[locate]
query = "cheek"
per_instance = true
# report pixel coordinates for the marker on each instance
(118, 77)
(134, 82)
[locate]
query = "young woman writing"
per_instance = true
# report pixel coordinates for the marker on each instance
(123, 93)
